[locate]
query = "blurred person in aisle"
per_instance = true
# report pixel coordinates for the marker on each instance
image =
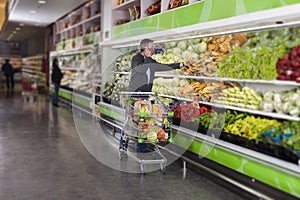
(8, 71)
(56, 77)
(143, 68)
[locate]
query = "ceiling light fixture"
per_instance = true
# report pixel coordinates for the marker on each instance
(18, 28)
(21, 24)
(14, 32)
(42, 2)
(32, 11)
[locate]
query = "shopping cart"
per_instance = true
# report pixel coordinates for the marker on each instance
(29, 89)
(147, 121)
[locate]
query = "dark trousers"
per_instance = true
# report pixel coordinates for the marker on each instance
(10, 79)
(55, 94)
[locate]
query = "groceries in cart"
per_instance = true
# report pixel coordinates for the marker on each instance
(29, 84)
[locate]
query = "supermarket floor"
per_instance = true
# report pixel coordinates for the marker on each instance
(42, 157)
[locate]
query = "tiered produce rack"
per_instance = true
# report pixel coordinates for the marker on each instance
(269, 163)
(35, 67)
(79, 67)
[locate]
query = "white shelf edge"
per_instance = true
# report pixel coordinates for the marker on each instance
(83, 49)
(30, 71)
(244, 152)
(71, 68)
(258, 112)
(124, 5)
(125, 73)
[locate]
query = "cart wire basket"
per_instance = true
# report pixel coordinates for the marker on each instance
(146, 121)
(29, 89)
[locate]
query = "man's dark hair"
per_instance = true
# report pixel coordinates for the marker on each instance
(144, 44)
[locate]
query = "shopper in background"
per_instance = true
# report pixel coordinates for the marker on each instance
(143, 68)
(56, 77)
(8, 70)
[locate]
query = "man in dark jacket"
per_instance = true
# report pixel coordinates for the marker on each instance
(56, 77)
(8, 70)
(143, 68)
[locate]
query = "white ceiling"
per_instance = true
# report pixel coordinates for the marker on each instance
(34, 23)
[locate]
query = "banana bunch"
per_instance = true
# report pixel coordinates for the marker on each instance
(144, 109)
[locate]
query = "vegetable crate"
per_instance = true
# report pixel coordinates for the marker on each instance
(29, 89)
(147, 121)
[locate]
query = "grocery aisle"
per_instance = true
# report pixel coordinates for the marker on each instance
(41, 157)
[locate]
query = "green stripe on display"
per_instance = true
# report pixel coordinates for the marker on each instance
(81, 101)
(111, 113)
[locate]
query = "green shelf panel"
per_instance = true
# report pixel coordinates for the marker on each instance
(81, 101)
(195, 13)
(62, 94)
(72, 98)
(275, 178)
(166, 21)
(111, 113)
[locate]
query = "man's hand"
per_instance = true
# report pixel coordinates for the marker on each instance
(185, 63)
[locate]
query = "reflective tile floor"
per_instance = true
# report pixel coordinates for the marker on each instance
(42, 157)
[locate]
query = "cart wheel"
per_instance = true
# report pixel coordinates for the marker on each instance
(163, 168)
(143, 169)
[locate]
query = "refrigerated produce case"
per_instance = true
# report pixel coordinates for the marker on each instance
(267, 161)
(79, 67)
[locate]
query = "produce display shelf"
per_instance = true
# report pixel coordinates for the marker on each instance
(273, 171)
(204, 78)
(257, 112)
(125, 5)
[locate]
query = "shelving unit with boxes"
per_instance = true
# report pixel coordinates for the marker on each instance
(130, 10)
(79, 28)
